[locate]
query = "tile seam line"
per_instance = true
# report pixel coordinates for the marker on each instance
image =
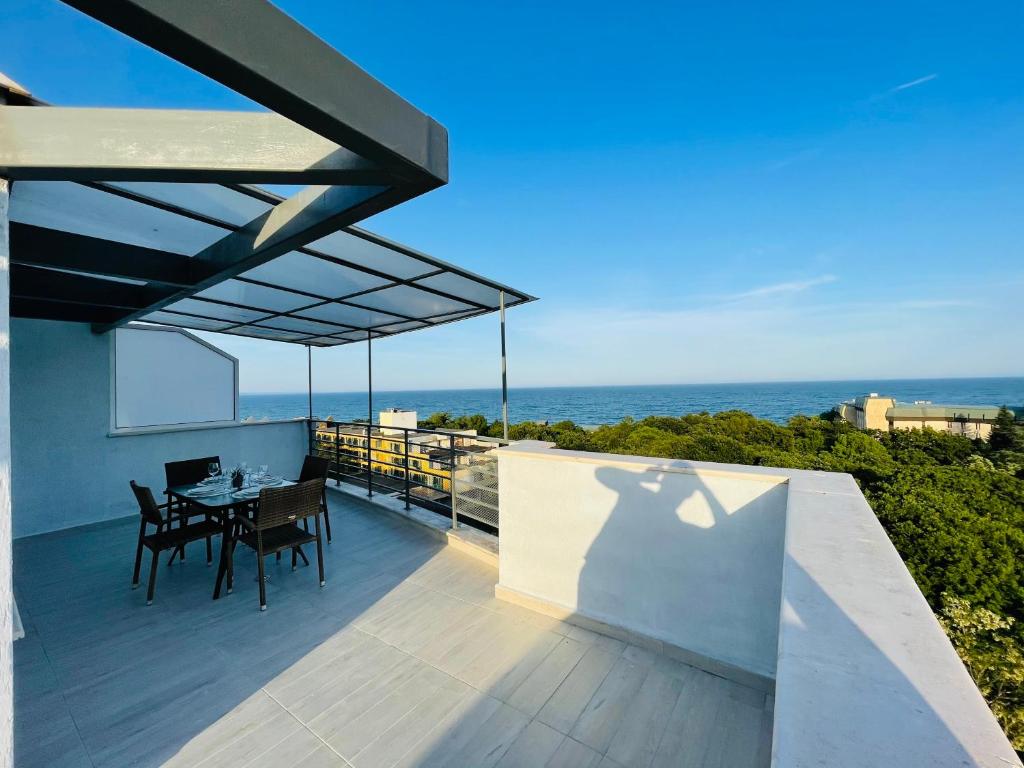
(305, 727)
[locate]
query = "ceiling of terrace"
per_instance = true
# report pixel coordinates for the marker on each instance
(103, 251)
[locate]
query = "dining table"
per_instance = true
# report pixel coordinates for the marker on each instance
(220, 500)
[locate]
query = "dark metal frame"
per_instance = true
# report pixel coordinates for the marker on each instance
(336, 122)
(169, 277)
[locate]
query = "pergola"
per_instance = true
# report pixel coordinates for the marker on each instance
(122, 215)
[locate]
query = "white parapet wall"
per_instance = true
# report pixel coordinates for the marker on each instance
(760, 574)
(690, 558)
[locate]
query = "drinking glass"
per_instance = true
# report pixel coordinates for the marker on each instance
(213, 468)
(264, 470)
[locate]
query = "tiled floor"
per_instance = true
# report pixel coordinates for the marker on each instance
(404, 659)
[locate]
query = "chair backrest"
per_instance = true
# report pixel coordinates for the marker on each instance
(147, 504)
(281, 506)
(188, 471)
(314, 468)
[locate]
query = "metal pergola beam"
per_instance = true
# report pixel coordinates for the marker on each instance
(34, 309)
(38, 284)
(42, 247)
(260, 52)
(80, 144)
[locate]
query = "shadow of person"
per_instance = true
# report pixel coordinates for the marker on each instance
(675, 561)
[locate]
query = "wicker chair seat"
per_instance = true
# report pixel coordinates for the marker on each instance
(174, 537)
(278, 539)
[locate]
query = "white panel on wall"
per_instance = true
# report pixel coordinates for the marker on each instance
(166, 377)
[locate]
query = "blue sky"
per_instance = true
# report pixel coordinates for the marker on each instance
(697, 192)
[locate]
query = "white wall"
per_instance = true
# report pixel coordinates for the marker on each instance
(168, 376)
(866, 678)
(67, 470)
(6, 598)
(649, 545)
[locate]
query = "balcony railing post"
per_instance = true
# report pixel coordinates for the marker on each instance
(309, 423)
(451, 482)
(406, 431)
(369, 459)
(337, 456)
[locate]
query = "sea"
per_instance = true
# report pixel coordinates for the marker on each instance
(589, 406)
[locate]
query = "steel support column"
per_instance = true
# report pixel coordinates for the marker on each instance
(504, 370)
(369, 414)
(309, 380)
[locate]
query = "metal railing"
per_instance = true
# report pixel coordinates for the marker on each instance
(450, 473)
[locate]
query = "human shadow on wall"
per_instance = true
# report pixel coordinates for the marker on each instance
(680, 563)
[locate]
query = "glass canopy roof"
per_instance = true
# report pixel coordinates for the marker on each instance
(346, 287)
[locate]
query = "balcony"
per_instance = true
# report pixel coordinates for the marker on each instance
(643, 613)
(405, 658)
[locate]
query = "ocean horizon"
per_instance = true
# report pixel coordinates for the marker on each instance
(590, 405)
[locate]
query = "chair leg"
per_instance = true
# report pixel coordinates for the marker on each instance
(259, 566)
(320, 552)
(152, 576)
(209, 546)
(327, 515)
(295, 557)
(278, 558)
(302, 554)
(138, 556)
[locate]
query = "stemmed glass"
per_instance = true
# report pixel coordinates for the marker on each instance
(213, 469)
(264, 470)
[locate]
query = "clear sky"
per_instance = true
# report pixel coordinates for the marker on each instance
(697, 192)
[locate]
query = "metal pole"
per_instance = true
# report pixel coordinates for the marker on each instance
(370, 461)
(455, 514)
(337, 457)
(504, 372)
(369, 419)
(406, 468)
(309, 371)
(369, 379)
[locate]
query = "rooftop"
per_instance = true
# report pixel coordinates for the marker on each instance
(405, 658)
(931, 411)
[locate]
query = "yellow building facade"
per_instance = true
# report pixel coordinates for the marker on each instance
(884, 413)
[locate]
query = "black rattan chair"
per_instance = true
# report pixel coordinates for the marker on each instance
(187, 472)
(166, 537)
(315, 468)
(274, 528)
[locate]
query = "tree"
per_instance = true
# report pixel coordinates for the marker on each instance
(1006, 434)
(985, 644)
(862, 455)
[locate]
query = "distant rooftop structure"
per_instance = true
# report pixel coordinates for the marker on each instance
(873, 411)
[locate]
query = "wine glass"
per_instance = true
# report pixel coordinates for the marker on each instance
(264, 470)
(213, 469)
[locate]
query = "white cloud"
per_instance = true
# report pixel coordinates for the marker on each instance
(913, 83)
(775, 289)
